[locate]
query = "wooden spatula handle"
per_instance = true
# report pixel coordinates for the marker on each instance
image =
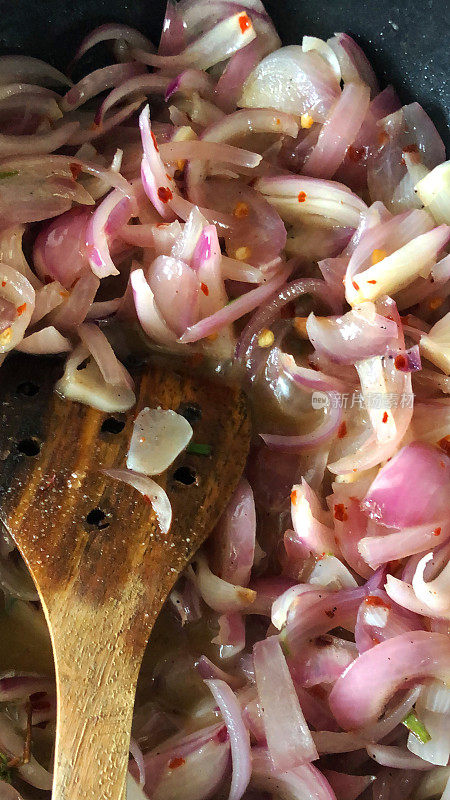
(96, 681)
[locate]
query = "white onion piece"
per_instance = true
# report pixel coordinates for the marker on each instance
(283, 603)
(436, 697)
(434, 192)
(148, 314)
(437, 750)
(435, 593)
(292, 81)
(219, 594)
(158, 437)
(396, 757)
(46, 341)
(332, 573)
(399, 269)
(310, 521)
(88, 386)
(17, 290)
(150, 490)
(324, 50)
(436, 344)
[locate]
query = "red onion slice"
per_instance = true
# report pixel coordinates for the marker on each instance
(377, 550)
(75, 309)
(150, 490)
(112, 213)
(308, 520)
(37, 142)
(377, 674)
(302, 783)
(353, 62)
(25, 69)
(148, 314)
(96, 82)
(216, 45)
(19, 296)
(347, 787)
(238, 734)
(233, 541)
(338, 132)
(288, 737)
(112, 32)
(360, 333)
(45, 342)
(221, 595)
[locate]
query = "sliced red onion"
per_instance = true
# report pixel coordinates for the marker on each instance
(17, 297)
(236, 309)
(99, 347)
(41, 143)
(234, 537)
(322, 660)
(150, 490)
(338, 132)
(437, 749)
(88, 386)
(396, 757)
(404, 595)
(231, 636)
(378, 550)
(174, 151)
(191, 80)
(96, 82)
(214, 46)
(172, 39)
(176, 288)
(93, 131)
(60, 247)
(352, 61)
(314, 614)
(230, 84)
(148, 314)
(378, 673)
(433, 192)
(379, 619)
(207, 669)
(299, 199)
(158, 437)
(302, 783)
(197, 773)
(113, 212)
(288, 737)
(292, 81)
(158, 185)
(25, 69)
(75, 309)
(136, 753)
(308, 520)
(135, 84)
(359, 333)
(411, 489)
(112, 32)
(218, 594)
(331, 573)
(239, 736)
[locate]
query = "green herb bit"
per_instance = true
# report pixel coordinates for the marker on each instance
(11, 174)
(199, 449)
(5, 773)
(413, 723)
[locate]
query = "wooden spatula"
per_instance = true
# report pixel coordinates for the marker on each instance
(100, 563)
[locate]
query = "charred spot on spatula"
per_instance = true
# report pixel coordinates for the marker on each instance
(97, 519)
(29, 447)
(112, 425)
(190, 411)
(27, 389)
(185, 475)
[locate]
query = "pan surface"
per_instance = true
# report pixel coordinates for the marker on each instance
(406, 40)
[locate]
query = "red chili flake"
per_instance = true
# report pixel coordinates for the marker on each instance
(21, 309)
(385, 417)
(294, 498)
(373, 600)
(445, 444)
(400, 362)
(355, 286)
(340, 512)
(3, 283)
(331, 612)
(244, 22)
(355, 153)
(301, 197)
(371, 281)
(155, 143)
(342, 430)
(146, 499)
(278, 121)
(437, 532)
(383, 137)
(164, 194)
(178, 761)
(375, 640)
(204, 289)
(75, 170)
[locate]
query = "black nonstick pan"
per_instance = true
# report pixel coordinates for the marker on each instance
(406, 40)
